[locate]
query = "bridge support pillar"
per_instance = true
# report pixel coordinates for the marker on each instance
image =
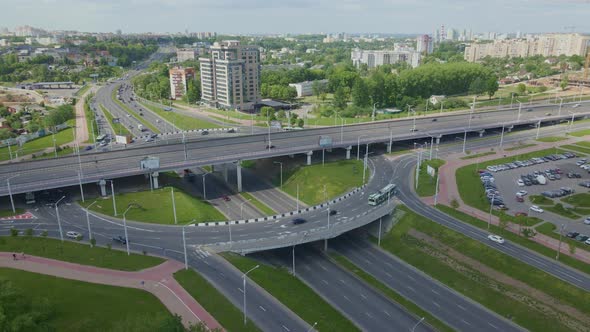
(309, 154)
(438, 139)
(225, 177)
(325, 245)
(103, 187)
(481, 132)
(212, 168)
(348, 148)
(239, 176)
(155, 180)
(509, 128)
(389, 146)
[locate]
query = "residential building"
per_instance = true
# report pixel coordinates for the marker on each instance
(424, 44)
(375, 58)
(179, 78)
(185, 54)
(230, 77)
(545, 45)
(306, 88)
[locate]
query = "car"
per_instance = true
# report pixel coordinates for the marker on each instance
(536, 209)
(587, 221)
(104, 143)
(434, 120)
(226, 198)
(333, 212)
(521, 214)
(529, 109)
(582, 238)
(413, 130)
(88, 148)
(153, 135)
(585, 184)
(576, 105)
(547, 114)
(269, 146)
(73, 235)
(520, 183)
(521, 193)
(149, 139)
(572, 235)
(587, 242)
(141, 113)
(299, 221)
(496, 238)
(519, 199)
(120, 239)
(204, 132)
(231, 131)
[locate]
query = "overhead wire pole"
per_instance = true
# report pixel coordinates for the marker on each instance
(61, 234)
(10, 192)
(184, 245)
(502, 136)
(244, 288)
(174, 206)
(88, 221)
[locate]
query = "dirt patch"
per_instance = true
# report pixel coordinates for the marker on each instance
(513, 288)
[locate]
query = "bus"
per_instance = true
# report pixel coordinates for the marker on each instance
(382, 195)
(101, 137)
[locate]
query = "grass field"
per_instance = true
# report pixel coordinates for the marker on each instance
(82, 90)
(562, 211)
(580, 133)
(551, 139)
(393, 295)
(77, 253)
(37, 145)
(479, 155)
(541, 200)
(181, 121)
(258, 204)
(118, 128)
(294, 294)
(156, 207)
(539, 248)
(499, 296)
(82, 306)
(9, 213)
(337, 177)
(520, 146)
(230, 317)
(583, 144)
(579, 200)
(576, 148)
(427, 183)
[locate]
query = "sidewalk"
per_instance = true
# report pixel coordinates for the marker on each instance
(448, 191)
(158, 280)
(81, 126)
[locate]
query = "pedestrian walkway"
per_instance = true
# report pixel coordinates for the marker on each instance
(82, 134)
(448, 191)
(158, 280)
(22, 216)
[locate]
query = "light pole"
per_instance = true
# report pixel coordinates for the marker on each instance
(61, 233)
(571, 122)
(373, 115)
(420, 321)
(125, 226)
(560, 104)
(561, 230)
(184, 245)
(204, 189)
(281, 165)
(491, 206)
(80, 182)
(441, 106)
(538, 129)
(436, 189)
(88, 221)
(502, 137)
(311, 328)
(10, 192)
(113, 193)
(519, 109)
(365, 162)
(358, 146)
(269, 144)
(511, 99)
(328, 210)
(341, 127)
(174, 206)
(431, 147)
(242, 207)
(244, 288)
(464, 140)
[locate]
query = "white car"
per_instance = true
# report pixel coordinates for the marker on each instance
(587, 221)
(496, 238)
(521, 193)
(576, 106)
(520, 183)
(536, 209)
(73, 235)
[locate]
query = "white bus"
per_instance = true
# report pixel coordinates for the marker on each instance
(382, 195)
(101, 137)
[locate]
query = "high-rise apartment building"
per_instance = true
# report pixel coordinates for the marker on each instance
(424, 44)
(179, 78)
(230, 77)
(384, 57)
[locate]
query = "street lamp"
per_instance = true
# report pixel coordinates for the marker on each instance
(519, 109)
(113, 193)
(420, 321)
(373, 115)
(358, 146)
(280, 164)
(561, 230)
(125, 226)
(61, 234)
(204, 189)
(88, 221)
(365, 162)
(491, 206)
(560, 104)
(341, 127)
(244, 286)
(10, 192)
(242, 207)
(311, 328)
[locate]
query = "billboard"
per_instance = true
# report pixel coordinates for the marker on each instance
(149, 163)
(123, 139)
(325, 141)
(430, 170)
(275, 124)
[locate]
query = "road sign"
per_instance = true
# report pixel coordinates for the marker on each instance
(150, 163)
(325, 141)
(275, 124)
(430, 170)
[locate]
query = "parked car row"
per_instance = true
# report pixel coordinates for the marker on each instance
(585, 184)
(530, 162)
(579, 237)
(563, 191)
(491, 190)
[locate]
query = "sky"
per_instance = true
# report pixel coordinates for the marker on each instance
(297, 16)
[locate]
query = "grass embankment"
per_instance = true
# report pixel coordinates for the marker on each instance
(562, 211)
(156, 207)
(9, 213)
(40, 144)
(181, 121)
(294, 294)
(530, 244)
(497, 281)
(578, 200)
(580, 133)
(577, 148)
(550, 229)
(520, 146)
(550, 139)
(82, 306)
(479, 155)
(427, 183)
(82, 90)
(118, 128)
(583, 144)
(540, 200)
(90, 120)
(393, 295)
(338, 177)
(77, 253)
(258, 204)
(213, 301)
(128, 109)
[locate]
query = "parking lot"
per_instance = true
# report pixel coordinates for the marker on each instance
(507, 185)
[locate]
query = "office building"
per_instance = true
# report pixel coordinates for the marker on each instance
(179, 78)
(306, 88)
(424, 44)
(185, 54)
(383, 57)
(230, 77)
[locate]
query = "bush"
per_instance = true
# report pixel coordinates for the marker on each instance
(454, 204)
(44, 234)
(29, 232)
(92, 241)
(13, 232)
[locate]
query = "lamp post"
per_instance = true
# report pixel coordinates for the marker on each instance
(184, 245)
(502, 137)
(281, 165)
(358, 146)
(242, 207)
(491, 206)
(420, 321)
(125, 227)
(561, 230)
(341, 127)
(88, 221)
(204, 189)
(174, 206)
(10, 192)
(244, 288)
(328, 210)
(373, 115)
(464, 140)
(61, 234)
(519, 109)
(560, 104)
(113, 193)
(571, 122)
(80, 183)
(311, 328)
(365, 162)
(538, 129)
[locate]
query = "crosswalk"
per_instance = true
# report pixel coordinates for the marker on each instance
(201, 253)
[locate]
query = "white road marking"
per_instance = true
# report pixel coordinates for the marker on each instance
(435, 292)
(262, 308)
(492, 325)
(363, 296)
(460, 306)
(325, 282)
(286, 329)
(436, 304)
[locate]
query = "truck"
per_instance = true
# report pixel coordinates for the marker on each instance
(541, 179)
(140, 127)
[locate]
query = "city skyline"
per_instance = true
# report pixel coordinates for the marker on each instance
(297, 16)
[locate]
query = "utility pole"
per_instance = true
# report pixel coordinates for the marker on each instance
(174, 207)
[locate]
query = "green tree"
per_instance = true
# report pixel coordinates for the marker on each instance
(267, 111)
(340, 98)
(360, 93)
(564, 82)
(521, 88)
(477, 86)
(300, 123)
(193, 92)
(492, 86)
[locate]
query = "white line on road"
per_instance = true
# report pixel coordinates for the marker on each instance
(286, 329)
(435, 292)
(436, 304)
(465, 322)
(325, 282)
(410, 288)
(363, 296)
(492, 325)
(389, 275)
(460, 306)
(387, 313)
(347, 299)
(262, 308)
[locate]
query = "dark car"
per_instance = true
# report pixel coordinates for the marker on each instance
(231, 131)
(572, 234)
(333, 212)
(269, 146)
(120, 239)
(226, 198)
(88, 148)
(582, 238)
(204, 132)
(529, 109)
(434, 120)
(299, 221)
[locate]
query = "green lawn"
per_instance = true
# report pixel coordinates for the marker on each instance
(82, 306)
(156, 207)
(551, 139)
(230, 317)
(549, 230)
(580, 133)
(579, 200)
(520, 146)
(258, 204)
(393, 295)
(338, 177)
(294, 294)
(562, 211)
(90, 123)
(139, 118)
(427, 183)
(9, 213)
(541, 200)
(479, 155)
(82, 90)
(576, 148)
(181, 121)
(583, 144)
(40, 144)
(530, 244)
(118, 128)
(477, 285)
(66, 151)
(77, 253)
